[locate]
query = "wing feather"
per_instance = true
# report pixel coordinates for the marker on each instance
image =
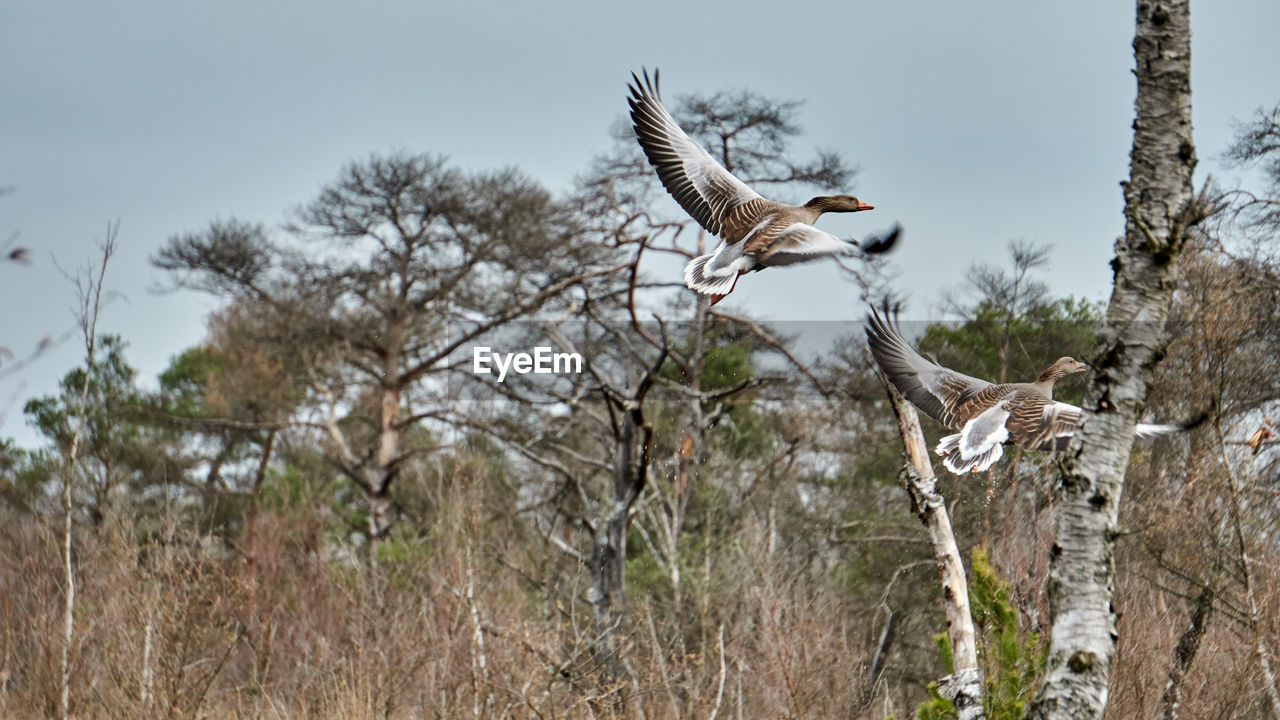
(1038, 423)
(799, 242)
(720, 202)
(941, 393)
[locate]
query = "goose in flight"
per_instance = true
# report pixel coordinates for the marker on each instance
(987, 415)
(755, 232)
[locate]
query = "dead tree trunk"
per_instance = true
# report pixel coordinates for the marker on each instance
(1159, 209)
(964, 685)
(1185, 652)
(690, 452)
(634, 438)
(609, 549)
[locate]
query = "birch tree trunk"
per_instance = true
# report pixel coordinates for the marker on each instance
(1159, 209)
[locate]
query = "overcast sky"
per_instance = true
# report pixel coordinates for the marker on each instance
(973, 124)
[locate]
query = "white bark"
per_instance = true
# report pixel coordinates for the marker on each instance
(715, 709)
(479, 661)
(1159, 207)
(148, 675)
(964, 685)
(87, 314)
(69, 604)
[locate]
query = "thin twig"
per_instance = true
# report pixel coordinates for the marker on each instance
(720, 688)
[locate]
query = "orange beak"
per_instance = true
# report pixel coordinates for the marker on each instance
(864, 206)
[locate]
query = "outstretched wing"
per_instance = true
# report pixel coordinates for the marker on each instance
(798, 243)
(1038, 423)
(941, 393)
(720, 202)
(801, 242)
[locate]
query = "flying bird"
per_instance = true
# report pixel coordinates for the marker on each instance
(755, 232)
(988, 415)
(1261, 436)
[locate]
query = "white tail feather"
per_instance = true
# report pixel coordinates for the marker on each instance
(961, 465)
(952, 459)
(708, 283)
(947, 444)
(1147, 431)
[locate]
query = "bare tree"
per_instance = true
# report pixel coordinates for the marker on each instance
(633, 443)
(1012, 293)
(1192, 540)
(751, 136)
(89, 290)
(1160, 208)
(1257, 142)
(394, 267)
(590, 432)
(1249, 579)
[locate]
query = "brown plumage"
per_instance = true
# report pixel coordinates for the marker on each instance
(756, 232)
(1261, 436)
(986, 414)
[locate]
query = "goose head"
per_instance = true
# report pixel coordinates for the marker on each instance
(1062, 367)
(837, 203)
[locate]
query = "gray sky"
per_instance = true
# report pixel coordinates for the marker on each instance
(973, 124)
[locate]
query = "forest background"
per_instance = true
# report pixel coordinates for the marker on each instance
(319, 510)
